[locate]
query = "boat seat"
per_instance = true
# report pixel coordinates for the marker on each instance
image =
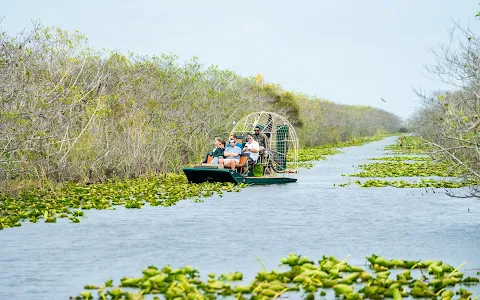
(243, 163)
(240, 139)
(209, 164)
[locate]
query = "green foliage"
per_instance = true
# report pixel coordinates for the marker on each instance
(409, 166)
(70, 113)
(315, 153)
(283, 102)
(73, 199)
(319, 152)
(327, 122)
(302, 275)
(402, 169)
(423, 183)
(404, 158)
(409, 145)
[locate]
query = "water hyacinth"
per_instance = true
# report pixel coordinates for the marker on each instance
(403, 158)
(422, 183)
(409, 145)
(320, 152)
(315, 153)
(418, 166)
(71, 200)
(403, 169)
(299, 274)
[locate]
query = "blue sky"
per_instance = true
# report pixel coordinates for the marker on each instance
(347, 51)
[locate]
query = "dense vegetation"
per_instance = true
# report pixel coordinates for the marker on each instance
(382, 278)
(69, 112)
(449, 121)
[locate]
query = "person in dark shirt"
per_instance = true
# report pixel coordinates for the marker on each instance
(216, 145)
(219, 150)
(260, 138)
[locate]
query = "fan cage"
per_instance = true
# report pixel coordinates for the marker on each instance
(281, 155)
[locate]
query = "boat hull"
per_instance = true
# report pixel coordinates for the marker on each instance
(199, 175)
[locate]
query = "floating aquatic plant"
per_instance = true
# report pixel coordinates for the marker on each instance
(320, 152)
(402, 166)
(306, 165)
(71, 200)
(303, 275)
(409, 145)
(315, 153)
(403, 169)
(404, 158)
(422, 183)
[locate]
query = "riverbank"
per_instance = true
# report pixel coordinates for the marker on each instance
(69, 200)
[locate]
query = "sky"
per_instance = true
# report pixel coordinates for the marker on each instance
(346, 51)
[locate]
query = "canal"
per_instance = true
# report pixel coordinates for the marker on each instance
(312, 217)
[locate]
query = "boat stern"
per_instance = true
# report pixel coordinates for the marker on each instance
(204, 174)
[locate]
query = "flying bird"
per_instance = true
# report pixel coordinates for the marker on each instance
(383, 100)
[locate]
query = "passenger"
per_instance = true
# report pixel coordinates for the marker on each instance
(215, 146)
(252, 148)
(219, 151)
(231, 154)
(234, 136)
(260, 138)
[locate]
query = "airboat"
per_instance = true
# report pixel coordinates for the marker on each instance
(278, 163)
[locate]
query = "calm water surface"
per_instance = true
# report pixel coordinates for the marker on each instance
(311, 217)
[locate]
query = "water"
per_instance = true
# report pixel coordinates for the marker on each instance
(311, 217)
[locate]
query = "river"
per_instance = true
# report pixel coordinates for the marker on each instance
(311, 217)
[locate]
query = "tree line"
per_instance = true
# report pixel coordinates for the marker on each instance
(449, 119)
(69, 112)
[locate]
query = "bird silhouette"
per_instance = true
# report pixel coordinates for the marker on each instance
(383, 100)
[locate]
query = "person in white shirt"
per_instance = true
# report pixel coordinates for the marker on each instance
(251, 147)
